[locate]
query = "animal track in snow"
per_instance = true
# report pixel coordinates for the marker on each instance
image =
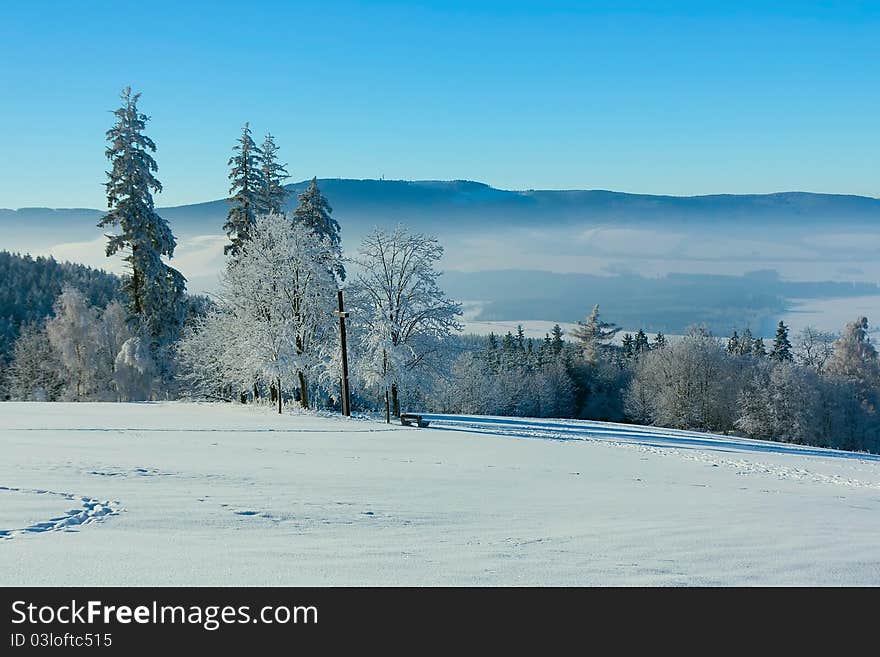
(90, 510)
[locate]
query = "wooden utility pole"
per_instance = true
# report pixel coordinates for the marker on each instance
(385, 372)
(346, 392)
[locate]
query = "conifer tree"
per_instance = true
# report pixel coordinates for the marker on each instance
(556, 338)
(781, 350)
(520, 337)
(314, 211)
(272, 195)
(627, 345)
(640, 342)
(593, 335)
(154, 291)
(659, 340)
(733, 344)
(747, 344)
(245, 191)
(758, 349)
(492, 353)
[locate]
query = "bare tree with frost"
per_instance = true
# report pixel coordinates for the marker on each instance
(400, 314)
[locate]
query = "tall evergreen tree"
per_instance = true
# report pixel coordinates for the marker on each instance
(272, 195)
(748, 345)
(781, 349)
(245, 191)
(659, 341)
(520, 337)
(627, 345)
(314, 211)
(640, 342)
(154, 291)
(556, 340)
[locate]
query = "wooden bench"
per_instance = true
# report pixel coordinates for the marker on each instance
(408, 419)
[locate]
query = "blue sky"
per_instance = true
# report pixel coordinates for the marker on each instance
(687, 98)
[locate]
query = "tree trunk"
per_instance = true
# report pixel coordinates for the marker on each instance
(273, 393)
(279, 396)
(395, 400)
(256, 393)
(303, 391)
(387, 408)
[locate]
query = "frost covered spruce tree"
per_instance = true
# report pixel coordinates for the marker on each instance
(781, 350)
(244, 192)
(154, 291)
(594, 335)
(272, 195)
(314, 212)
(275, 324)
(400, 314)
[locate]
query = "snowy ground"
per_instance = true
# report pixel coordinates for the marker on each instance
(190, 494)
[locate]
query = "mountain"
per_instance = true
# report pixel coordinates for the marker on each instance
(652, 260)
(461, 205)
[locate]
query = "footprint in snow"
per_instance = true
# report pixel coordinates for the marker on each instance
(90, 510)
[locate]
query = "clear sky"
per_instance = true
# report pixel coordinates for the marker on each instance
(654, 97)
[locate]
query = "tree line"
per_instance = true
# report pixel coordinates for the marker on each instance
(822, 389)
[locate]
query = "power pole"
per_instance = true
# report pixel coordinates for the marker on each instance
(346, 391)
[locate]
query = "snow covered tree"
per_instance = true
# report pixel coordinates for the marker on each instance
(272, 194)
(640, 342)
(691, 383)
(627, 345)
(154, 290)
(555, 391)
(134, 370)
(471, 388)
(71, 333)
(855, 357)
(659, 341)
(314, 212)
(758, 349)
(402, 316)
(814, 348)
(747, 344)
(245, 192)
(275, 323)
(35, 371)
(594, 335)
(556, 340)
(733, 344)
(781, 350)
(110, 333)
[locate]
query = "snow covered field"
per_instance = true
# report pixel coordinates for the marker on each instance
(199, 494)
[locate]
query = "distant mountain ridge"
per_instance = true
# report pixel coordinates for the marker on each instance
(461, 204)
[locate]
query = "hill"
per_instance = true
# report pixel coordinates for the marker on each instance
(461, 205)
